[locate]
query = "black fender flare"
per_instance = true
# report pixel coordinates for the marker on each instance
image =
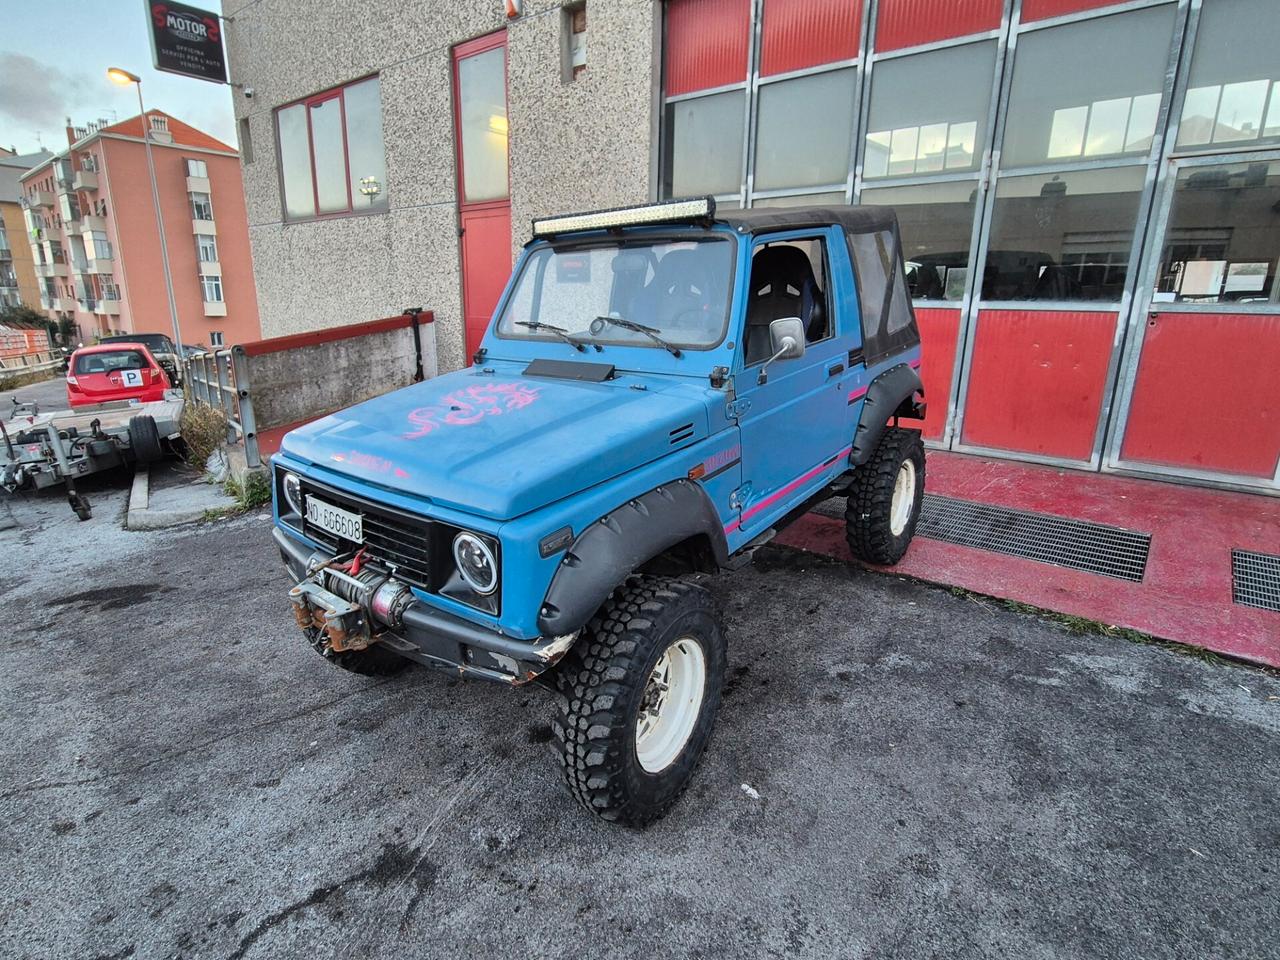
(892, 393)
(616, 544)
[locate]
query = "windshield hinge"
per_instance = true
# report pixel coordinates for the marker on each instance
(718, 377)
(736, 408)
(477, 358)
(739, 498)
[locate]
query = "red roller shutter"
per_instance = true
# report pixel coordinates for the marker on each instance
(806, 33)
(909, 23)
(938, 331)
(1044, 9)
(706, 44)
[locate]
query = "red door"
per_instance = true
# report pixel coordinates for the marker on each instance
(484, 196)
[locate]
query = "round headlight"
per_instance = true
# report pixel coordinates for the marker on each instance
(292, 486)
(476, 563)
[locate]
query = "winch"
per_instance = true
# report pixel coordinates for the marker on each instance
(350, 604)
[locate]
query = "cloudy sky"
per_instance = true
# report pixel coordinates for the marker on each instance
(54, 56)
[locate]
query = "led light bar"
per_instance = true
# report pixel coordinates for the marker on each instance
(671, 211)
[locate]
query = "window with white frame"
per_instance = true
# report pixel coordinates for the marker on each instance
(215, 338)
(99, 245)
(212, 286)
(201, 207)
(196, 168)
(207, 248)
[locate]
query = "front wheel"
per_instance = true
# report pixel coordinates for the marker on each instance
(638, 699)
(885, 497)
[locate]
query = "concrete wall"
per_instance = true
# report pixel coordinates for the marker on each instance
(292, 380)
(578, 145)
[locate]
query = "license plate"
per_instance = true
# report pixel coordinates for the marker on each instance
(339, 522)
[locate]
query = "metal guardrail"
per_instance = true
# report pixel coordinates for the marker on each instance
(221, 380)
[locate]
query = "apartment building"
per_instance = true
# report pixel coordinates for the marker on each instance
(18, 282)
(91, 224)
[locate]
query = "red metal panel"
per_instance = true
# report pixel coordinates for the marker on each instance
(706, 44)
(1036, 381)
(486, 265)
(908, 23)
(805, 33)
(938, 331)
(1207, 394)
(1043, 9)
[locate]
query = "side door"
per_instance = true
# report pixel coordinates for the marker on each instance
(795, 425)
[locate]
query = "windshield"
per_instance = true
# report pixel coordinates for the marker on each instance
(109, 362)
(678, 290)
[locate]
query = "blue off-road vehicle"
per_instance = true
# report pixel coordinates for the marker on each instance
(661, 389)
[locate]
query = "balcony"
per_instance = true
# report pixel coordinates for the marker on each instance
(110, 307)
(210, 268)
(215, 309)
(100, 265)
(90, 221)
(46, 302)
(40, 198)
(67, 304)
(88, 304)
(204, 228)
(85, 180)
(197, 184)
(52, 270)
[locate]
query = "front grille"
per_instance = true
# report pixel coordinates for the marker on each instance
(393, 539)
(1255, 579)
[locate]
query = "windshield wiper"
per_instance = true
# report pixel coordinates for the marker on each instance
(560, 332)
(650, 332)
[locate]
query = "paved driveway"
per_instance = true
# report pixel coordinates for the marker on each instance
(936, 777)
(50, 394)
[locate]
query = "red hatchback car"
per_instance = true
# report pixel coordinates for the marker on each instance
(114, 371)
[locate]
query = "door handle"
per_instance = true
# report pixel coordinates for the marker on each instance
(834, 371)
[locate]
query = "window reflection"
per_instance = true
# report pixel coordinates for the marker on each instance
(704, 145)
(1233, 92)
(936, 223)
(1062, 236)
(1088, 89)
(1223, 237)
(804, 128)
(927, 111)
(801, 200)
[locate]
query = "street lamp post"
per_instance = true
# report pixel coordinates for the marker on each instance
(123, 77)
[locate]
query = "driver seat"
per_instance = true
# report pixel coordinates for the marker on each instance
(782, 285)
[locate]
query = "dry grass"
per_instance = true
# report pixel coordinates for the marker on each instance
(204, 430)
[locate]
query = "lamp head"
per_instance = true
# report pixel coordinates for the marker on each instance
(122, 77)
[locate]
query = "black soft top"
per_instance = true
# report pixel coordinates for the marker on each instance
(770, 219)
(875, 248)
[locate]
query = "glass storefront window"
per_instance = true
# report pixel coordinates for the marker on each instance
(929, 111)
(1062, 236)
(804, 129)
(1088, 89)
(1233, 91)
(482, 111)
(1223, 241)
(704, 145)
(803, 200)
(936, 223)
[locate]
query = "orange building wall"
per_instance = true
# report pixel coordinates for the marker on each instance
(125, 185)
(20, 246)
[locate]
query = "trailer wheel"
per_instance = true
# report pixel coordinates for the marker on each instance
(144, 439)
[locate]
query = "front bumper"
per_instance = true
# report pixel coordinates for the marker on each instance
(438, 639)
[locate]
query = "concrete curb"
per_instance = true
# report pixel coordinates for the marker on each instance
(141, 517)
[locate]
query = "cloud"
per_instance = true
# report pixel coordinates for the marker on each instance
(35, 95)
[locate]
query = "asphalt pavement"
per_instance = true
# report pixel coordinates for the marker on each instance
(897, 772)
(50, 394)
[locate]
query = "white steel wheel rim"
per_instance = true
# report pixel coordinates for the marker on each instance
(904, 498)
(670, 704)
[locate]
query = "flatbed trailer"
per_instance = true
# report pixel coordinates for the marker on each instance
(41, 450)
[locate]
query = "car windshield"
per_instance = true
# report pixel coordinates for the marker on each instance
(677, 290)
(110, 362)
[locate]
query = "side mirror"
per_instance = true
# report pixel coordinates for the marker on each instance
(786, 338)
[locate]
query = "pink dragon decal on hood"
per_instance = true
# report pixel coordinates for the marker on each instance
(471, 405)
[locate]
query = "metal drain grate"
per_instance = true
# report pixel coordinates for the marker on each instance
(1255, 579)
(1061, 541)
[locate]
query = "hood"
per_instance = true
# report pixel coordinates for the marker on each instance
(502, 444)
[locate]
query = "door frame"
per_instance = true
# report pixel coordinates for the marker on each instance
(1142, 307)
(460, 52)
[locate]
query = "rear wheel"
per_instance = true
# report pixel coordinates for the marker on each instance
(884, 498)
(638, 698)
(144, 439)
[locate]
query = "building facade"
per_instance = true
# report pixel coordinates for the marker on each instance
(1087, 190)
(91, 224)
(18, 282)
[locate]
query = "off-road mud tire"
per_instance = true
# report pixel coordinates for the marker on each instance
(372, 661)
(601, 683)
(144, 439)
(867, 511)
